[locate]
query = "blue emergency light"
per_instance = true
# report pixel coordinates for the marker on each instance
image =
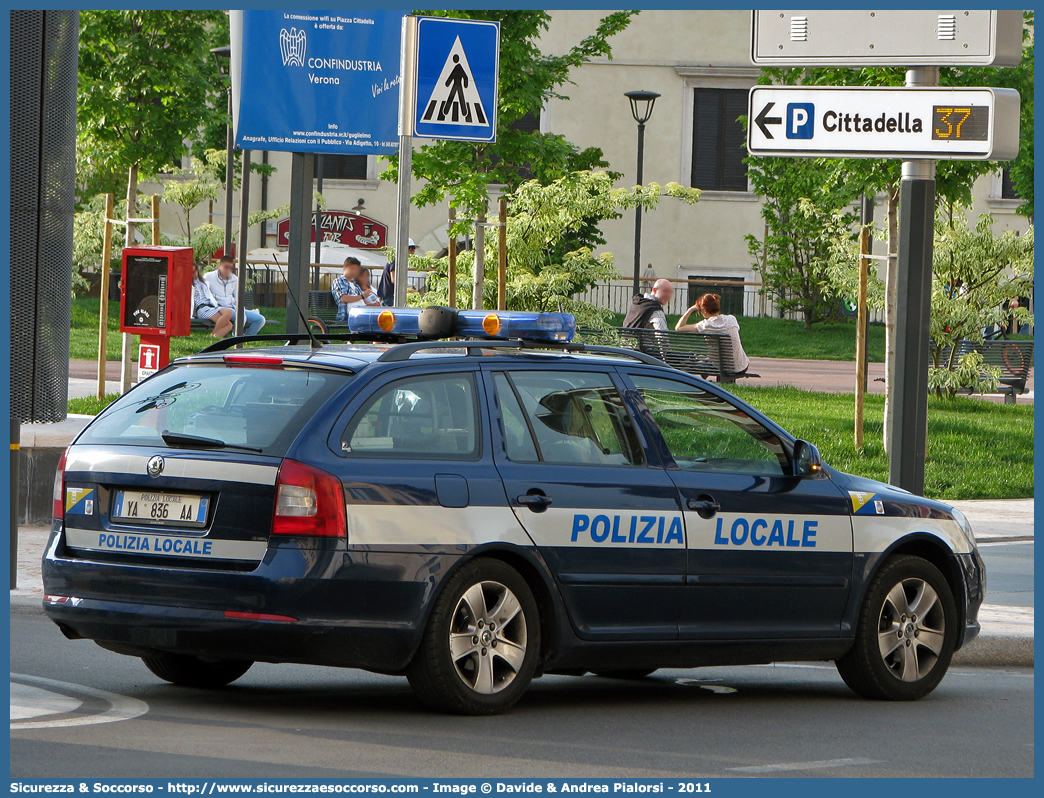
(439, 322)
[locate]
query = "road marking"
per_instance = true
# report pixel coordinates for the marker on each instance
(38, 703)
(819, 764)
(706, 685)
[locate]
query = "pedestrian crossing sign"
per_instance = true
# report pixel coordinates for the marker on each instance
(458, 64)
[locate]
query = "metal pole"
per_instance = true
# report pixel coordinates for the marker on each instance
(867, 214)
(16, 432)
(103, 318)
(638, 209)
(452, 273)
(502, 261)
(909, 439)
(155, 220)
(407, 71)
(127, 339)
(244, 212)
(229, 175)
(302, 166)
(318, 221)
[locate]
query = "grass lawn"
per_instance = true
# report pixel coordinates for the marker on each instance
(785, 338)
(976, 449)
(83, 335)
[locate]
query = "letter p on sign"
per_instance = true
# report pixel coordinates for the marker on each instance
(800, 120)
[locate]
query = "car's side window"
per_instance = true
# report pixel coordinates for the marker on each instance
(518, 440)
(705, 432)
(432, 415)
(576, 417)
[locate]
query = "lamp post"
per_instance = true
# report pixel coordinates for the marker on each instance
(225, 53)
(641, 109)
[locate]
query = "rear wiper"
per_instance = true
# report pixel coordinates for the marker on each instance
(198, 442)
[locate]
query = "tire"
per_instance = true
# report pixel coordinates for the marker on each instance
(470, 661)
(631, 673)
(317, 327)
(188, 671)
(901, 653)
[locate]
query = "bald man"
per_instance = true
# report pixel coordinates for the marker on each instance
(646, 311)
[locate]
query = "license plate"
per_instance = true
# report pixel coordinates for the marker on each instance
(165, 509)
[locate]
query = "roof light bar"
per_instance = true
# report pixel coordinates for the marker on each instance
(446, 323)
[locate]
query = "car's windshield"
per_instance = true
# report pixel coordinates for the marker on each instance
(257, 408)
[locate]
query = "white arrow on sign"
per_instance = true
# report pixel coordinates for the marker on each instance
(857, 122)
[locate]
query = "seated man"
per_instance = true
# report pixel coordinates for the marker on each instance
(223, 284)
(346, 290)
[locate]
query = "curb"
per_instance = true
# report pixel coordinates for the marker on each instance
(984, 652)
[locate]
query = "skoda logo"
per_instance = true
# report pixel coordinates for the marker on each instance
(155, 466)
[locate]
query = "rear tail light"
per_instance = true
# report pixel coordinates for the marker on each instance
(308, 502)
(58, 496)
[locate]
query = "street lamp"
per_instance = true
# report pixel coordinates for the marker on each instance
(641, 109)
(223, 56)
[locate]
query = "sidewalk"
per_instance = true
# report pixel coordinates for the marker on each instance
(1007, 631)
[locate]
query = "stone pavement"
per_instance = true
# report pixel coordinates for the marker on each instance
(1007, 631)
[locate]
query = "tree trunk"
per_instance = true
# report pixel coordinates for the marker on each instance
(891, 289)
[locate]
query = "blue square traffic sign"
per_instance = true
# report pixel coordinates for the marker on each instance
(458, 63)
(801, 120)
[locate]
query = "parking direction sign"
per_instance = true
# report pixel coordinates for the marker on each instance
(856, 122)
(458, 63)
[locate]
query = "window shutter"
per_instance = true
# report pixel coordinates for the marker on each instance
(342, 167)
(734, 149)
(706, 125)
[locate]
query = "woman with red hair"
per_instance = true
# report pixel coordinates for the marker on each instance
(714, 321)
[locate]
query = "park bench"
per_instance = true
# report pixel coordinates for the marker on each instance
(208, 324)
(706, 354)
(1013, 359)
(322, 312)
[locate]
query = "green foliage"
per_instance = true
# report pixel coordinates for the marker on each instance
(964, 434)
(188, 193)
(528, 78)
(540, 276)
(975, 275)
(147, 81)
(806, 220)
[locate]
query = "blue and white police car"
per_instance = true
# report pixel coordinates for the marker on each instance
(473, 500)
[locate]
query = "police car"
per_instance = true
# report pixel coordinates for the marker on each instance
(472, 500)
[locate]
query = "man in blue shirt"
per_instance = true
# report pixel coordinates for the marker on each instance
(386, 289)
(345, 289)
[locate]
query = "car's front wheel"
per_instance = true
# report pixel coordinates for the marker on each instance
(905, 634)
(188, 671)
(482, 642)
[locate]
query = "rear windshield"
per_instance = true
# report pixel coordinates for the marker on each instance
(259, 408)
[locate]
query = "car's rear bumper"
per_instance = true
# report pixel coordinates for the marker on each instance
(333, 606)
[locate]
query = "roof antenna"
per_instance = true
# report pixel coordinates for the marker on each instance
(311, 336)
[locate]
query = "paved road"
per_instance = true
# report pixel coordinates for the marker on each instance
(1009, 573)
(294, 721)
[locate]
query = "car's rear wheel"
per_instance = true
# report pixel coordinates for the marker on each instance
(905, 634)
(188, 671)
(630, 673)
(482, 642)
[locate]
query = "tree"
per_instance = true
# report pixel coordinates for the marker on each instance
(527, 79)
(795, 257)
(541, 276)
(975, 273)
(147, 82)
(190, 192)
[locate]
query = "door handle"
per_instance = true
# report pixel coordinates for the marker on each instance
(537, 502)
(705, 506)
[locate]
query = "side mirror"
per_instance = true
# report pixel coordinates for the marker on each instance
(806, 460)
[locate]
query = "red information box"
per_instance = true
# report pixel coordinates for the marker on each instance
(156, 295)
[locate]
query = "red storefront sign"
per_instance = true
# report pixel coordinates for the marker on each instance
(342, 227)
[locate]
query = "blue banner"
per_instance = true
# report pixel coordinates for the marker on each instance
(316, 81)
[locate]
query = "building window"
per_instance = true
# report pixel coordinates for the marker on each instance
(1007, 187)
(342, 167)
(719, 140)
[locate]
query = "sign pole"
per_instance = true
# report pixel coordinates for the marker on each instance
(478, 273)
(502, 262)
(302, 166)
(909, 435)
(318, 220)
(407, 72)
(244, 212)
(103, 318)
